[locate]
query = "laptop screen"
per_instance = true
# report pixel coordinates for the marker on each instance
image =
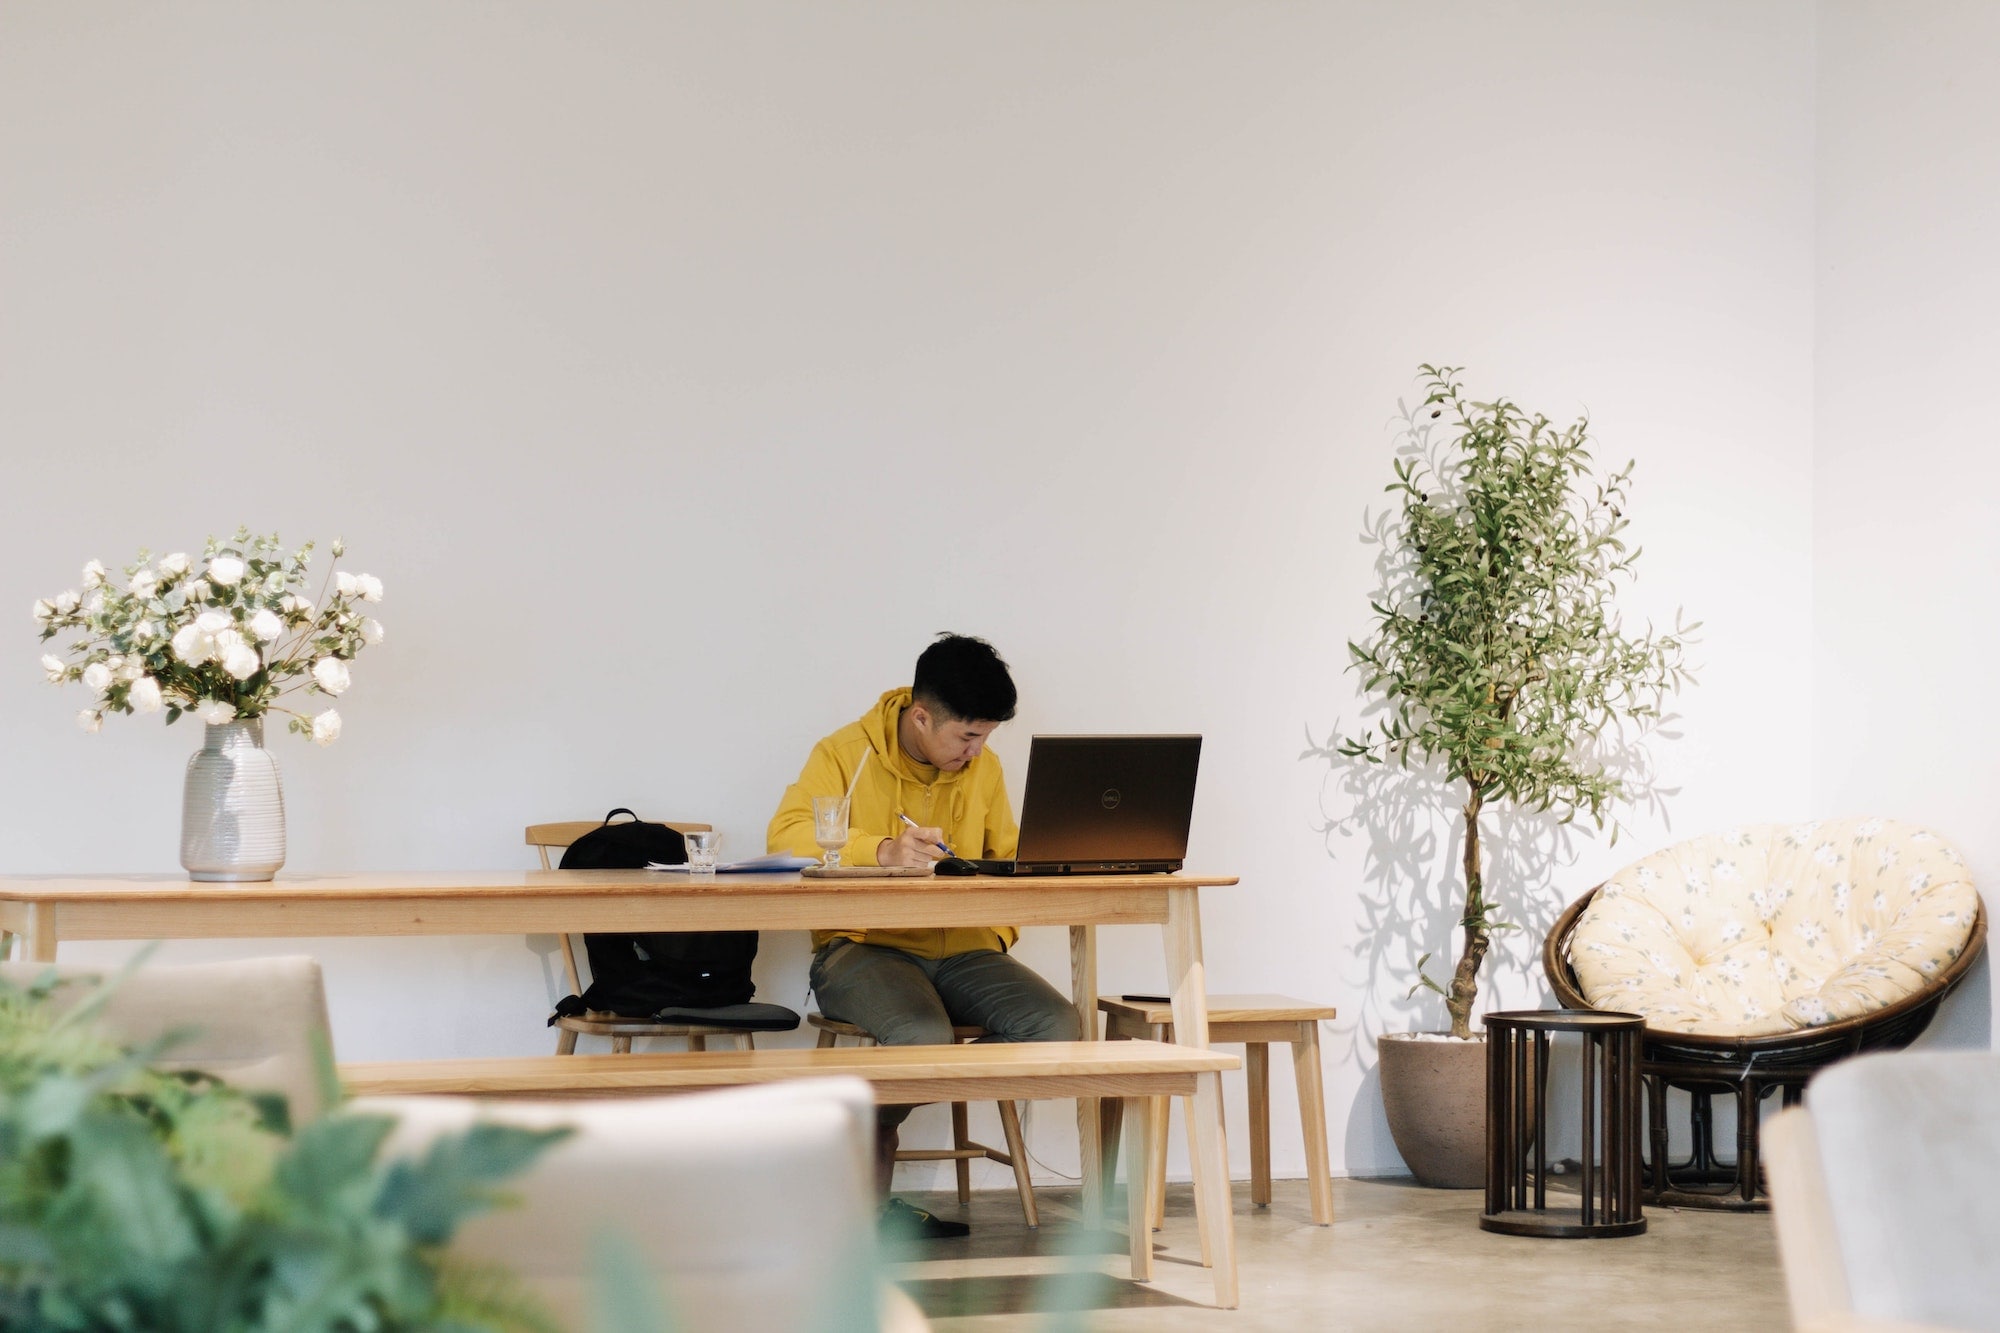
(1108, 799)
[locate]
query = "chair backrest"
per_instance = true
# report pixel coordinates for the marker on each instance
(545, 838)
(254, 1022)
(751, 1208)
(1884, 1191)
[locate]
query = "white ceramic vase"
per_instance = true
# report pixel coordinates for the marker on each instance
(233, 807)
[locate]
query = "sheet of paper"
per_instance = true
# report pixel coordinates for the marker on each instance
(773, 861)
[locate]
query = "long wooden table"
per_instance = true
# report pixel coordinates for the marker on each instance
(44, 910)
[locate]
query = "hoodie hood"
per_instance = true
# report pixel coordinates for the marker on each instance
(882, 727)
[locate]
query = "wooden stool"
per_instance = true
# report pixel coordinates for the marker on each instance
(1256, 1021)
(963, 1151)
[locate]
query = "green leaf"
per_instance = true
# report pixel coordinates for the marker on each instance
(453, 1179)
(329, 1165)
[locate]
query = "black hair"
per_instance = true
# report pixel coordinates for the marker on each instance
(963, 679)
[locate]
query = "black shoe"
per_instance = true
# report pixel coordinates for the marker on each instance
(899, 1221)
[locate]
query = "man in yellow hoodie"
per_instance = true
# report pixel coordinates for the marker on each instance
(921, 753)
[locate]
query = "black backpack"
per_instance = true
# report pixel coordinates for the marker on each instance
(636, 976)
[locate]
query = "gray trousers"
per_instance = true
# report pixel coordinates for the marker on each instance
(901, 999)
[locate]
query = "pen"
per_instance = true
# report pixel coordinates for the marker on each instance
(913, 823)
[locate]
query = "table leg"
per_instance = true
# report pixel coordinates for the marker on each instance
(1111, 1123)
(1138, 1187)
(1211, 1185)
(1194, 1165)
(41, 933)
(1090, 1144)
(1187, 984)
(1257, 1070)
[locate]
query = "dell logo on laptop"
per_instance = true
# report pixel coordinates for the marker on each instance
(1110, 799)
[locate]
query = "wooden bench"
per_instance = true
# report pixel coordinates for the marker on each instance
(1133, 1070)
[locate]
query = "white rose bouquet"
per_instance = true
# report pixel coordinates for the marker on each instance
(223, 641)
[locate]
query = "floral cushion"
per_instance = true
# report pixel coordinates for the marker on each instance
(1776, 927)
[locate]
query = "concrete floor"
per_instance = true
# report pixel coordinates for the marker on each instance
(1396, 1258)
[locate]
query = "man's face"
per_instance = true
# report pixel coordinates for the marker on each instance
(947, 744)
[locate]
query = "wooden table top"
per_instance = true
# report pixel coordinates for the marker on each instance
(503, 884)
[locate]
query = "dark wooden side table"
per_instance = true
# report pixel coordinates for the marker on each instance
(1608, 1202)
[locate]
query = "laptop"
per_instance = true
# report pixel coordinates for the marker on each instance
(1104, 805)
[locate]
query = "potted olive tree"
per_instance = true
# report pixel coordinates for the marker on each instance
(1498, 660)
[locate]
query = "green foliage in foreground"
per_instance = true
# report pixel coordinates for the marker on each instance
(1498, 651)
(133, 1200)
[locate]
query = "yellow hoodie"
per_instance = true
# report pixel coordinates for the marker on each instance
(969, 805)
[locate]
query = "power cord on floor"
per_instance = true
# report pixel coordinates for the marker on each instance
(1027, 1137)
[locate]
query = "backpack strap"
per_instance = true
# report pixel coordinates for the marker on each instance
(621, 810)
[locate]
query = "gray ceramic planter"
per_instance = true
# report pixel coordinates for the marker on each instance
(1434, 1093)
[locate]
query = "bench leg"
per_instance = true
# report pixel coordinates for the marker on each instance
(1211, 1185)
(1312, 1117)
(697, 1041)
(565, 1042)
(621, 1045)
(1138, 1178)
(1156, 1128)
(1017, 1149)
(1257, 1070)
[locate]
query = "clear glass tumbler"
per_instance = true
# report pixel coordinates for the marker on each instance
(701, 845)
(830, 827)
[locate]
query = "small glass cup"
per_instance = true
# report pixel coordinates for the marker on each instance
(701, 845)
(830, 827)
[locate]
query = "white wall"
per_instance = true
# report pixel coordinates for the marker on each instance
(1906, 553)
(683, 368)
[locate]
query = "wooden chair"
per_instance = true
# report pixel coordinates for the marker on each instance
(1882, 1193)
(1256, 1021)
(257, 1023)
(900, 1075)
(747, 1209)
(963, 1151)
(546, 837)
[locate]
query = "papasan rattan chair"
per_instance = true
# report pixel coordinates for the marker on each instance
(1760, 956)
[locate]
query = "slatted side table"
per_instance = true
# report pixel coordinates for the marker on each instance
(1517, 1080)
(1257, 1021)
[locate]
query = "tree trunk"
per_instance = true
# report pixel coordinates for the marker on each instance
(1465, 978)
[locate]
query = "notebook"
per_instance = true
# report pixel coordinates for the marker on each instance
(1101, 805)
